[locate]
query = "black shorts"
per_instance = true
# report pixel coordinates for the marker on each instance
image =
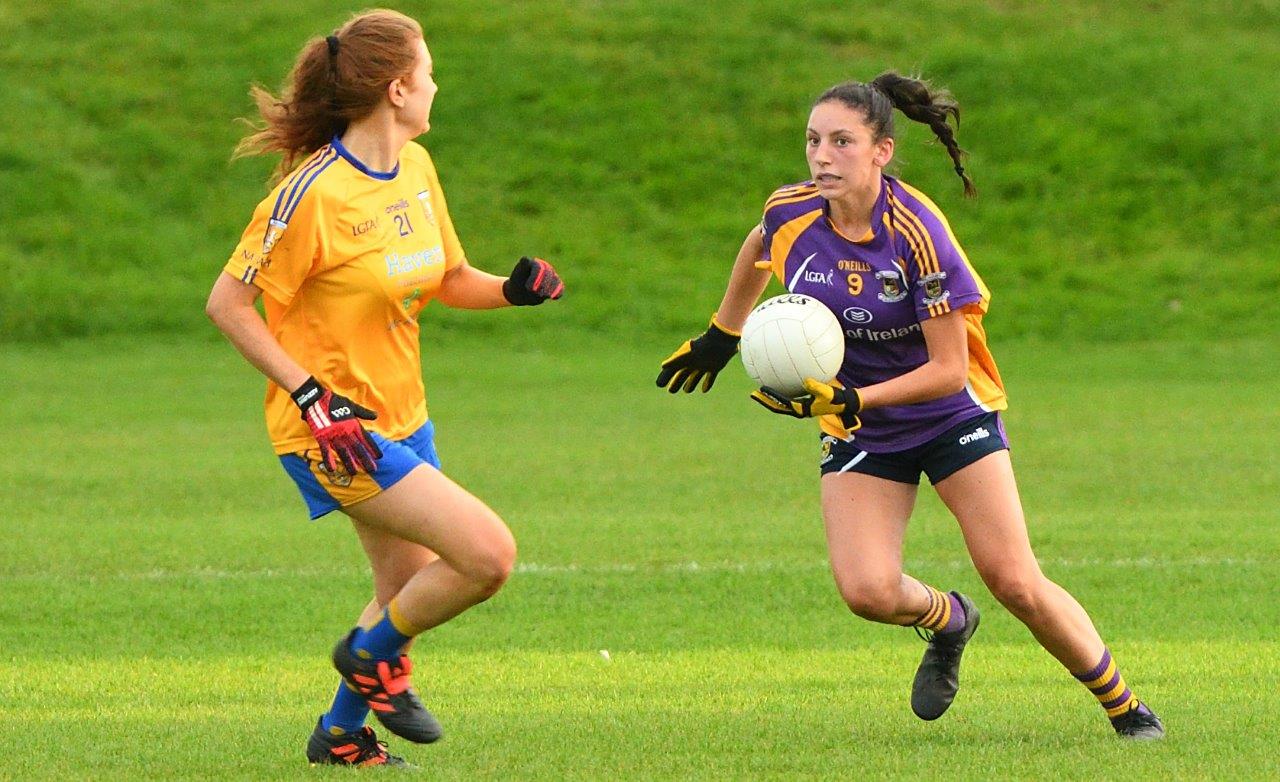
(958, 447)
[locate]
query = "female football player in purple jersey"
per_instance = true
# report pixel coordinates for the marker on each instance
(344, 254)
(918, 392)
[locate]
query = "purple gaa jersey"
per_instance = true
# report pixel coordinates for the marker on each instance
(906, 269)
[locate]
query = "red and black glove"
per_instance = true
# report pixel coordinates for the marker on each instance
(532, 282)
(333, 420)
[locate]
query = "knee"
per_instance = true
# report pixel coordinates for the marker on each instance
(1019, 593)
(492, 563)
(873, 600)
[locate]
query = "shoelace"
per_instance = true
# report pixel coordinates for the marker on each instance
(395, 678)
(369, 747)
(945, 651)
(1136, 718)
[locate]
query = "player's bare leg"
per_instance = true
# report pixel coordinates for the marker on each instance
(984, 499)
(866, 519)
(436, 550)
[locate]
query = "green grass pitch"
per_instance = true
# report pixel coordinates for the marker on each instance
(168, 608)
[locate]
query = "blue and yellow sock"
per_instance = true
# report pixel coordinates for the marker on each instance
(384, 639)
(1107, 685)
(945, 614)
(348, 712)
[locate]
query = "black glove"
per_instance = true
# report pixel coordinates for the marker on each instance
(333, 420)
(697, 359)
(822, 399)
(532, 282)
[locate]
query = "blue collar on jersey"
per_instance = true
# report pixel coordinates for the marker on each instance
(361, 167)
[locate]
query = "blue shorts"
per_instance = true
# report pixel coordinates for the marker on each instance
(939, 458)
(326, 491)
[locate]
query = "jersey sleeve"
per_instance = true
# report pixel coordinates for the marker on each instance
(282, 245)
(769, 222)
(453, 254)
(939, 272)
(766, 233)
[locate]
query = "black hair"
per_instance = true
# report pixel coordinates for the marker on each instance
(913, 97)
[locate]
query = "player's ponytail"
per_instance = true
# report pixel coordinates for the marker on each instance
(335, 80)
(912, 97)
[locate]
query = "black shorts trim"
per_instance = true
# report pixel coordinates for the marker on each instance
(953, 450)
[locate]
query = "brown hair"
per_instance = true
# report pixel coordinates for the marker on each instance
(335, 80)
(912, 97)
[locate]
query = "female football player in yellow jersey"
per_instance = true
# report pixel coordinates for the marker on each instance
(345, 251)
(918, 392)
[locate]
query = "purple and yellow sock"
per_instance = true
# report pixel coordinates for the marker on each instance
(944, 615)
(348, 712)
(1107, 685)
(384, 639)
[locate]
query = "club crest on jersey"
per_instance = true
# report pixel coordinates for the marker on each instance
(892, 288)
(424, 198)
(275, 228)
(934, 293)
(339, 477)
(827, 442)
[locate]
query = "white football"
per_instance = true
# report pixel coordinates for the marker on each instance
(789, 338)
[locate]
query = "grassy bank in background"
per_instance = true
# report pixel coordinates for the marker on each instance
(1126, 154)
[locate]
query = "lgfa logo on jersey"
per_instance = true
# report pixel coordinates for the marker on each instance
(819, 277)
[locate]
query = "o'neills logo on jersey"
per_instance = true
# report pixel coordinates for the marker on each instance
(980, 433)
(424, 198)
(880, 335)
(275, 228)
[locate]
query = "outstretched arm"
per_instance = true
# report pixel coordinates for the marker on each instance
(465, 287)
(532, 282)
(746, 283)
(700, 359)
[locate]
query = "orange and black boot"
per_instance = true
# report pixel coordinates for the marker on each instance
(384, 684)
(361, 748)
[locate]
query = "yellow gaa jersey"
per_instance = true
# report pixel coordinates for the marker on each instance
(346, 257)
